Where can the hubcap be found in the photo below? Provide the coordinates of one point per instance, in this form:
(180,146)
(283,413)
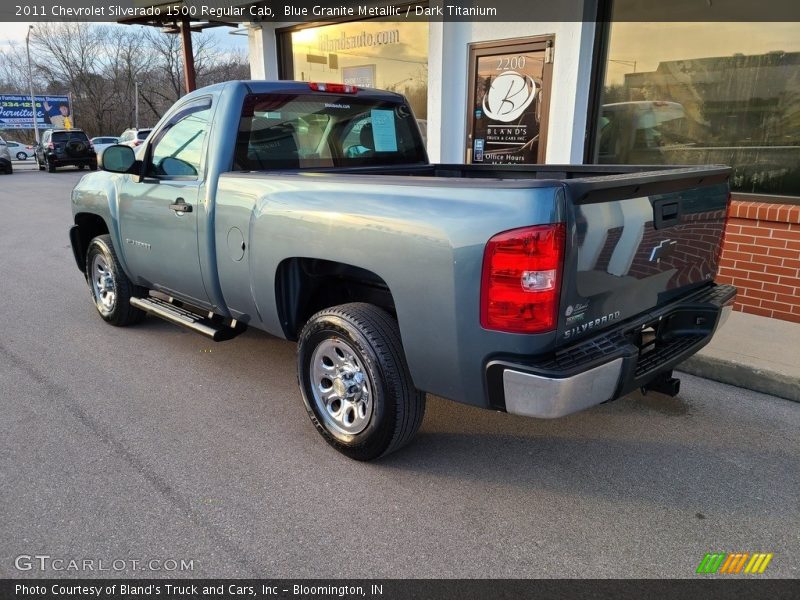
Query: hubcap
(341,387)
(103,286)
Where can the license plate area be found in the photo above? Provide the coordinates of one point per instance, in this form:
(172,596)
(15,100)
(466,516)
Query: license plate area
(663,339)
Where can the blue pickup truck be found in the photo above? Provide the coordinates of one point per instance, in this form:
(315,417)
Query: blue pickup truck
(310,211)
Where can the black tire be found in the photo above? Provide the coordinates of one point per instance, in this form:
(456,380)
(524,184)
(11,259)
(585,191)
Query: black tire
(51,168)
(397,406)
(120,313)
(93,166)
(81,167)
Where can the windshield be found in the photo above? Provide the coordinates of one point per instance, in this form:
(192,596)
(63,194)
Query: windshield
(299,131)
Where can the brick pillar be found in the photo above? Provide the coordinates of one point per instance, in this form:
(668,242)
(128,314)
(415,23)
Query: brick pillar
(761,257)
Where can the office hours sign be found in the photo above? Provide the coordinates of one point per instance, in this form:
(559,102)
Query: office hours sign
(509,101)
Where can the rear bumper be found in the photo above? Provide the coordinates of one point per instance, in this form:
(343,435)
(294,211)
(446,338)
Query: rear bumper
(610,365)
(66,161)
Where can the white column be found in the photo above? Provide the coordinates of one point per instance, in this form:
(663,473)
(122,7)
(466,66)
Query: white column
(263,51)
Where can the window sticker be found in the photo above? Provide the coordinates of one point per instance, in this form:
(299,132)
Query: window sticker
(384,133)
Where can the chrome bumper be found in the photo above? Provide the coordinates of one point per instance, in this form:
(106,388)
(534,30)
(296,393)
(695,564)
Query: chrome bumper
(545,398)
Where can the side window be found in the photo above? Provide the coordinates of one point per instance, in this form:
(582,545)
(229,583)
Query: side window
(177,147)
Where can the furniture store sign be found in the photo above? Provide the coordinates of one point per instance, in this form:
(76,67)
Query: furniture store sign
(51,111)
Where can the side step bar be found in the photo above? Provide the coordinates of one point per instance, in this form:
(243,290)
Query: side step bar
(212,326)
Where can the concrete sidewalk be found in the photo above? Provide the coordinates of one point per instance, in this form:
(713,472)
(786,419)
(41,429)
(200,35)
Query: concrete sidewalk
(756,353)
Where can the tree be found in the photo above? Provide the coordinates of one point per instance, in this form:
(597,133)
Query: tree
(100,65)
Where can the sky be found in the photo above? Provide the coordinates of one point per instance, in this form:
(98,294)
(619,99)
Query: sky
(16,32)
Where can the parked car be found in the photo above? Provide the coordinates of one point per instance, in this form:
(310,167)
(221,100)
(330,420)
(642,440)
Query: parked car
(5,158)
(134,137)
(19,150)
(65,147)
(539,290)
(103,142)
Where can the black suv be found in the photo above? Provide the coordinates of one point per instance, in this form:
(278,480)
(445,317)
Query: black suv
(63,147)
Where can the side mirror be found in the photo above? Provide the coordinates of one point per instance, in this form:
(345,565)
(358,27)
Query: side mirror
(117,159)
(176,167)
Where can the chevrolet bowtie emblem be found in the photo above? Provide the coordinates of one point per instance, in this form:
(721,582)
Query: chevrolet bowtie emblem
(664,249)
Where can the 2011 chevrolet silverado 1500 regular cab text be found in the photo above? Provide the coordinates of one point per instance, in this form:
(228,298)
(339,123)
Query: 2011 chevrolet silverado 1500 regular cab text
(310,211)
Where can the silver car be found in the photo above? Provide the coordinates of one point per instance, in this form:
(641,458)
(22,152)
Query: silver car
(103,142)
(19,150)
(5,158)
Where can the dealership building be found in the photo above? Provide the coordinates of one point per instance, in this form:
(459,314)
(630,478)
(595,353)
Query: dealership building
(592,81)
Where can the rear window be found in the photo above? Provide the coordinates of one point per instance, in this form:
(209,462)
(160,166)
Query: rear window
(143,133)
(301,131)
(66,136)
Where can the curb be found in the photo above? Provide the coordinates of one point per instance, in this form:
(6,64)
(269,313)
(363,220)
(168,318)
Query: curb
(743,376)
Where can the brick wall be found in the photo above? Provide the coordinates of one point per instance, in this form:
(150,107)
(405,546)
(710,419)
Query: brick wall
(761,257)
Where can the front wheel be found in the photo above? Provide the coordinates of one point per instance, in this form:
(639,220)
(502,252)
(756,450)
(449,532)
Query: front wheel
(21,156)
(355,381)
(109,285)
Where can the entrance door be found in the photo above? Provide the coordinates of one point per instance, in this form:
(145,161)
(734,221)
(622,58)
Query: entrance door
(159,228)
(509,98)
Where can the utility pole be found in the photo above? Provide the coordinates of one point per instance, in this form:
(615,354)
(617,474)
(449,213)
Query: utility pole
(188,56)
(30,80)
(136,104)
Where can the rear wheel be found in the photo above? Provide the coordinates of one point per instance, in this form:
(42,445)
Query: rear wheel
(21,156)
(110,287)
(355,381)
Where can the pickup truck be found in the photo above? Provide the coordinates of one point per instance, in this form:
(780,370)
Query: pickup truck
(310,211)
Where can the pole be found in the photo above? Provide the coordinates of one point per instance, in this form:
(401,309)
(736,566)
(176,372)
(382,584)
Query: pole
(30,80)
(188,57)
(71,111)
(136,104)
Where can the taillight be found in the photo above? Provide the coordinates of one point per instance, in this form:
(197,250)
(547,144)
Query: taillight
(137,142)
(336,88)
(521,279)
(51,145)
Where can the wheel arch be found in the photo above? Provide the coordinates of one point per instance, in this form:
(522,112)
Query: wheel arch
(304,286)
(87,227)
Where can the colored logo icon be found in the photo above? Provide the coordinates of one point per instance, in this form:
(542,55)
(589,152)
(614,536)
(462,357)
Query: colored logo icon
(734,563)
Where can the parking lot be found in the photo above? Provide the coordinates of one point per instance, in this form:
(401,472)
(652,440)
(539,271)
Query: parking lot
(153,443)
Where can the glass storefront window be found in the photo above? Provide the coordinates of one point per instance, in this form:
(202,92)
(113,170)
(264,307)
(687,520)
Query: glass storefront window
(378,54)
(704,93)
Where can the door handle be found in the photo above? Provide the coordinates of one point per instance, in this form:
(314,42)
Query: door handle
(180,206)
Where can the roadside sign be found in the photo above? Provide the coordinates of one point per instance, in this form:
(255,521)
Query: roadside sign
(51,111)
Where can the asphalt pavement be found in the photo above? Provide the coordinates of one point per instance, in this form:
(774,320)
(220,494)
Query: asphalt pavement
(153,443)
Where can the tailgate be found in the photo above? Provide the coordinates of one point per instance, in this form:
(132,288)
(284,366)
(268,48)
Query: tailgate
(639,241)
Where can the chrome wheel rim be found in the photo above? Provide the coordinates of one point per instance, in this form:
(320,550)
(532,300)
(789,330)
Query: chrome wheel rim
(341,387)
(103,285)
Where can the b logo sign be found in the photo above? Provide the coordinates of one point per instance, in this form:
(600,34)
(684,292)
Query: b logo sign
(509,95)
